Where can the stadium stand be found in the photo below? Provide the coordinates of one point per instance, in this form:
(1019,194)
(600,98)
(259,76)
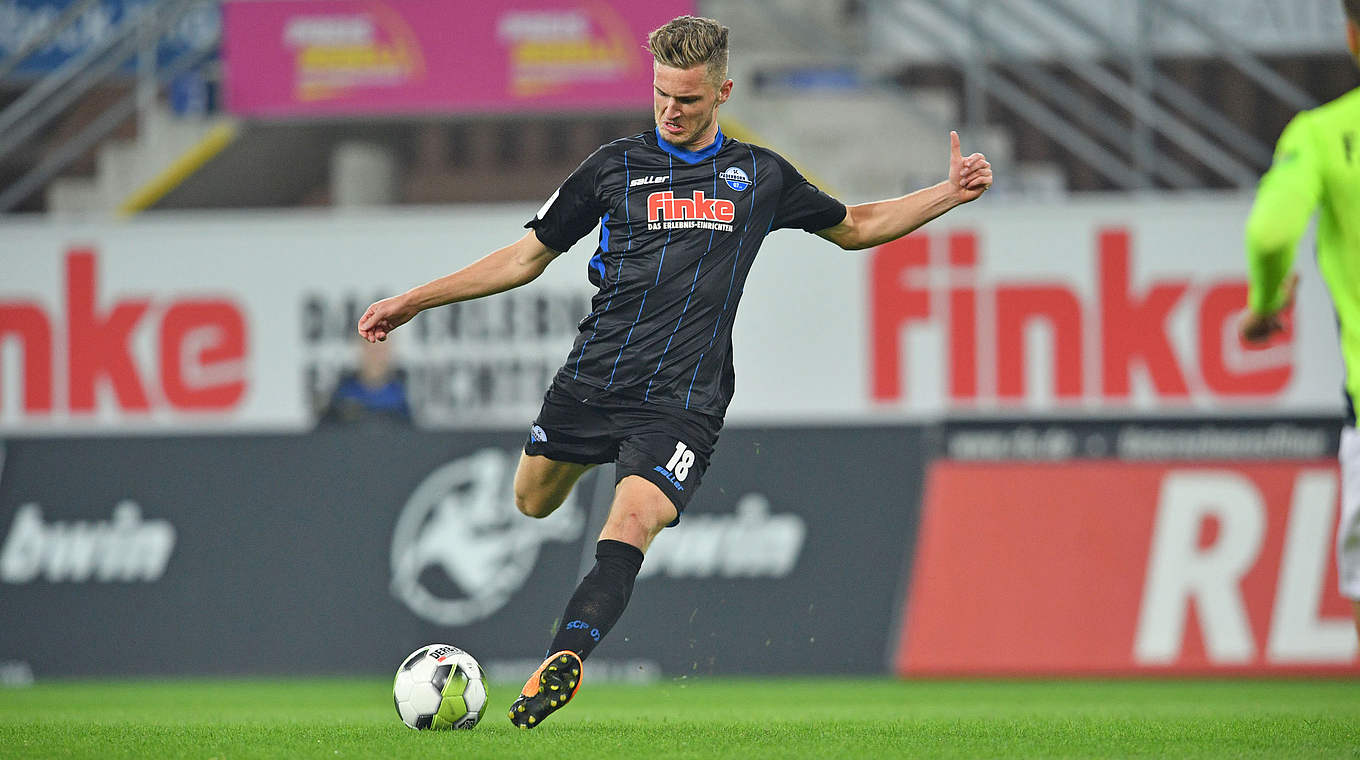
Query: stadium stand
(1050,93)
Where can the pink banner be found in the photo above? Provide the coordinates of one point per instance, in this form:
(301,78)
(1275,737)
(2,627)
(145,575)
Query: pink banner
(352,57)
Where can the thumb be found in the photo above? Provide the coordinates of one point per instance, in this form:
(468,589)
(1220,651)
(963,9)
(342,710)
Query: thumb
(954,151)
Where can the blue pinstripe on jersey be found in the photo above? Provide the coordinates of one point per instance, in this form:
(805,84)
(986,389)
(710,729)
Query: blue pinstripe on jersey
(755,188)
(697,268)
(670,184)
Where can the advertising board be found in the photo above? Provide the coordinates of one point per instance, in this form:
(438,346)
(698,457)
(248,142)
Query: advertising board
(240,322)
(344,549)
(307,58)
(1125,567)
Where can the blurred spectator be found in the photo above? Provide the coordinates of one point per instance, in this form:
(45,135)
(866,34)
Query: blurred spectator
(190,94)
(374,393)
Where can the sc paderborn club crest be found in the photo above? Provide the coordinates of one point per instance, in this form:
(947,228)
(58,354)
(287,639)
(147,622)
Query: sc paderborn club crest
(736,178)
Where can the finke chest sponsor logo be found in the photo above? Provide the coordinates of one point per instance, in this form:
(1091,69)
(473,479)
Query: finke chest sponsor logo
(667,211)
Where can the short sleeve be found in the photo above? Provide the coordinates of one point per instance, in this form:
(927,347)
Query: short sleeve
(573,209)
(802,205)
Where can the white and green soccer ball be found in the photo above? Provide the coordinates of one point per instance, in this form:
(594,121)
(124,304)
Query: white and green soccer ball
(439,687)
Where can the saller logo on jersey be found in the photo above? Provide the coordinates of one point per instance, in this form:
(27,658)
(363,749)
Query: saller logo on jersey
(667,212)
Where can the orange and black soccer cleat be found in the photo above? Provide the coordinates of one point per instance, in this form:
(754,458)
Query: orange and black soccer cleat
(549,688)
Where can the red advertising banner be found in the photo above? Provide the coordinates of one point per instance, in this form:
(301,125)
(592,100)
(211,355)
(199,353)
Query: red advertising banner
(1127,568)
(346,57)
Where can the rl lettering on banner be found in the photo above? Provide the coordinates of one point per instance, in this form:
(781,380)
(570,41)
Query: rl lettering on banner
(1112,567)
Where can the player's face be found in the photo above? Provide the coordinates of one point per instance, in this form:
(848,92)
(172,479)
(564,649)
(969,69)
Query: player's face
(685,103)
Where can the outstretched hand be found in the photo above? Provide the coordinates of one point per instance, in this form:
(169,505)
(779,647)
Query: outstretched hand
(1260,328)
(383,317)
(969,176)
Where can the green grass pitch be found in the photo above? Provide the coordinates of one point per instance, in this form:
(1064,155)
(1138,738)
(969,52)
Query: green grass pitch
(695,718)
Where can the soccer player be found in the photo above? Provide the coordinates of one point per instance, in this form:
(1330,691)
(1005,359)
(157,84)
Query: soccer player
(682,210)
(1317,165)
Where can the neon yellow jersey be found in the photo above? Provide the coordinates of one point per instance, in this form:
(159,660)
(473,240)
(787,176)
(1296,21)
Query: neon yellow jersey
(1316,168)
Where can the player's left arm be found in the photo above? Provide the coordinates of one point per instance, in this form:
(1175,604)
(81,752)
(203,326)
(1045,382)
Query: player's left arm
(869,224)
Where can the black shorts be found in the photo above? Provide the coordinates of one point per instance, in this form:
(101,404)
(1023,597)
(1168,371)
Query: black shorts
(583,424)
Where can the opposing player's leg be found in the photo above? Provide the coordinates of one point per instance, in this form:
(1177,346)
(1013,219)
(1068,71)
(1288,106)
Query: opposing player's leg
(639,511)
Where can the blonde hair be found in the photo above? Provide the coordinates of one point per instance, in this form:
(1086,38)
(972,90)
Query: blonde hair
(689,41)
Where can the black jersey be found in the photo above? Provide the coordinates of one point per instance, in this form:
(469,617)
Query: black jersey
(679,232)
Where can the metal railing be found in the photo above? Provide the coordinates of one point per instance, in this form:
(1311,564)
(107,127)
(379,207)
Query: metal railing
(136,36)
(1115,132)
(1096,89)
(1117,141)
(1040,115)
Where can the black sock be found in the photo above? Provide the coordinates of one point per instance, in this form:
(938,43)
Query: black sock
(600,599)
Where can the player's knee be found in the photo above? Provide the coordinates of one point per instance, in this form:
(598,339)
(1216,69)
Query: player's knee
(536,502)
(637,524)
(531,504)
(650,520)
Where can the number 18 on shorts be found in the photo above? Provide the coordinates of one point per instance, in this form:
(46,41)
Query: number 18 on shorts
(677,469)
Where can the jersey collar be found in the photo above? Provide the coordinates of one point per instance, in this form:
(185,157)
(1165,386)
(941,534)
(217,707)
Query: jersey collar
(691,156)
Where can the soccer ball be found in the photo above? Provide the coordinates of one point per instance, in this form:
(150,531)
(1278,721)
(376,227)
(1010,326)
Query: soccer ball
(441,687)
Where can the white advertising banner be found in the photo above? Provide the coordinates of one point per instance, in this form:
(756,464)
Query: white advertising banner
(241,322)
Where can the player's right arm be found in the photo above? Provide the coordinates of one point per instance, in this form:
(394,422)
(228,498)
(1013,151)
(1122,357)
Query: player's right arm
(501,270)
(1285,201)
